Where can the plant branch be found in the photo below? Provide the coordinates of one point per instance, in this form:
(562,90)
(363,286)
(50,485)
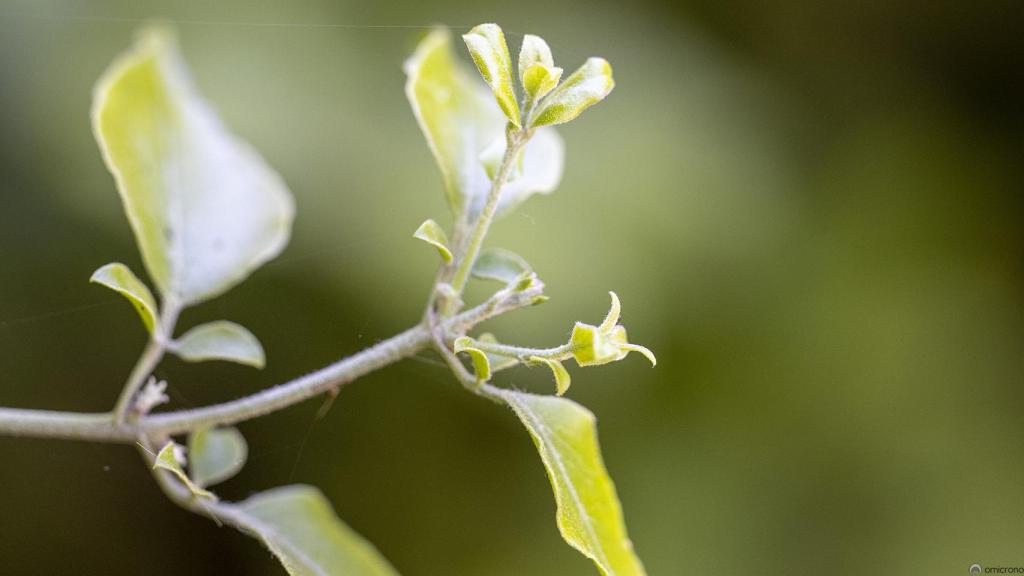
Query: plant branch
(100,427)
(162,333)
(522,353)
(516,140)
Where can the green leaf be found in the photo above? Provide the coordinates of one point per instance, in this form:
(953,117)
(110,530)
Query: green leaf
(216,455)
(122,280)
(299,526)
(220,340)
(432,233)
(456,115)
(540,79)
(205,208)
(584,88)
(481,363)
(562,378)
(167,459)
(486,44)
(589,515)
(533,51)
(464,128)
(499,265)
(537,70)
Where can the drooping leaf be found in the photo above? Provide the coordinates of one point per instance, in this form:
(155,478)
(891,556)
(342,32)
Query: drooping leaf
(562,378)
(585,87)
(487,46)
(299,526)
(499,265)
(205,208)
(589,514)
(122,280)
(220,340)
(215,455)
(460,121)
(167,459)
(481,363)
(526,281)
(432,233)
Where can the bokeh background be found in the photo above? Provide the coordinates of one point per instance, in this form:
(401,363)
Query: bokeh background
(812,212)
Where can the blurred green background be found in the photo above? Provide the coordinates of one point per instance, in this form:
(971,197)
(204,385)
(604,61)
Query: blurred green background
(812,213)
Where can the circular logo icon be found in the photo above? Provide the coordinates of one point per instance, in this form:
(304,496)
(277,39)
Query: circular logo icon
(975,568)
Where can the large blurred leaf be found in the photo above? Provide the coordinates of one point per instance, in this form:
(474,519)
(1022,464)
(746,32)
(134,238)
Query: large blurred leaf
(499,265)
(299,526)
(205,208)
(461,122)
(589,515)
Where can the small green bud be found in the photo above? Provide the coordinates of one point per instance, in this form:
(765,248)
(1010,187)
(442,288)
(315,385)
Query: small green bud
(533,51)
(596,345)
(537,70)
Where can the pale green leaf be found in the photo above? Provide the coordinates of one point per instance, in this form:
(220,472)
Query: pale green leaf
(120,279)
(540,79)
(215,455)
(465,129)
(220,340)
(533,51)
(167,459)
(584,88)
(481,362)
(487,46)
(589,515)
(205,208)
(432,233)
(537,70)
(562,378)
(457,117)
(499,265)
(299,526)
